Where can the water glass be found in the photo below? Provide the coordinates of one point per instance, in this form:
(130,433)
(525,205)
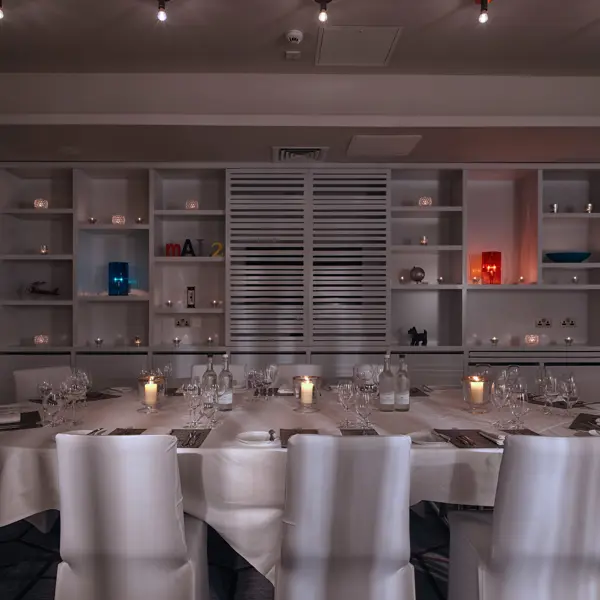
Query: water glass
(208,406)
(54,408)
(345,392)
(499,397)
(192,397)
(364,407)
(44,390)
(518,403)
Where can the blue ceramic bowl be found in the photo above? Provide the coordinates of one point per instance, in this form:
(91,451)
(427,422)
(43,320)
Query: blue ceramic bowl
(568,257)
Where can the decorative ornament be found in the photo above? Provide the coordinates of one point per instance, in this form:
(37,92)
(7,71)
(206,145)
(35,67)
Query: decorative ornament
(491,266)
(425,201)
(532,339)
(191,296)
(554,208)
(118,279)
(37,289)
(92,220)
(417,274)
(217,249)
(188,249)
(43,249)
(417,338)
(118,220)
(41,340)
(589,208)
(191,205)
(40,203)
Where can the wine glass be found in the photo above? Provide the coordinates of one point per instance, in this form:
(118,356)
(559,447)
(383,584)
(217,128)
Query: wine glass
(44,390)
(190,394)
(345,392)
(499,397)
(568,390)
(364,407)
(551,391)
(167,372)
(55,404)
(209,405)
(73,390)
(517,401)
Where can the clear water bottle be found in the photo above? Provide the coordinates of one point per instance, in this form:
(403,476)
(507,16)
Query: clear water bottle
(402,397)
(209,378)
(387,386)
(225,386)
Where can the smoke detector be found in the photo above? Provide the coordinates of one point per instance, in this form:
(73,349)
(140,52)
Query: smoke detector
(294,36)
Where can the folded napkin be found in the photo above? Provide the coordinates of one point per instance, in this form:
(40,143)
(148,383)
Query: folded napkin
(286,434)
(523,431)
(585,422)
(465,438)
(26,420)
(127,431)
(358,432)
(190,438)
(7,418)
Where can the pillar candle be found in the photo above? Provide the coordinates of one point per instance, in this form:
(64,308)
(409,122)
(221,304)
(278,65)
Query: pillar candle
(306,392)
(477,391)
(150,393)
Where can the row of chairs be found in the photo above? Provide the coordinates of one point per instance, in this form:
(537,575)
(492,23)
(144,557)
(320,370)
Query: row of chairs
(345,523)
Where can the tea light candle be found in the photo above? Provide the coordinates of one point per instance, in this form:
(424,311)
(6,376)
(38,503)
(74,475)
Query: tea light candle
(92,220)
(43,249)
(98,342)
(139,220)
(402,279)
(137,341)
(569,341)
(475,280)
(191,204)
(425,201)
(476,389)
(306,391)
(118,220)
(440,280)
(169,303)
(214,303)
(575,279)
(150,393)
(589,208)
(521,279)
(532,339)
(423,241)
(209,341)
(40,340)
(176,342)
(40,203)
(494,341)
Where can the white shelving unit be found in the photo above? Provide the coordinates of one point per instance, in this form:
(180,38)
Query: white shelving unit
(311,270)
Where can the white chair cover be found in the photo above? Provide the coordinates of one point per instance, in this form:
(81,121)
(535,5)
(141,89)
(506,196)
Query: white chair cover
(542,542)
(238,372)
(123,532)
(286,373)
(27,380)
(346,520)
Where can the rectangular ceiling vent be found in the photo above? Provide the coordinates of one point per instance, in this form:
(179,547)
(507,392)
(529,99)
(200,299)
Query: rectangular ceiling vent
(295,155)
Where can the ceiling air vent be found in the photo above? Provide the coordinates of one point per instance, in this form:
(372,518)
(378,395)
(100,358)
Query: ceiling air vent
(283,154)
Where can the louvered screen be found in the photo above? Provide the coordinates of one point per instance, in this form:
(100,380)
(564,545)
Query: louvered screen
(266,258)
(349,248)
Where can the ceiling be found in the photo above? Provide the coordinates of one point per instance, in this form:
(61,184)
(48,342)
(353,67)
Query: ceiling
(438,36)
(254,144)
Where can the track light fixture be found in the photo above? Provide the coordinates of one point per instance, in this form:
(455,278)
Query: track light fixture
(483,15)
(323,10)
(1,11)
(161,15)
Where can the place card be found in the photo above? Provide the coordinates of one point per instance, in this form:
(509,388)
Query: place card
(126,431)
(358,432)
(190,438)
(286,434)
(465,438)
(585,422)
(29,420)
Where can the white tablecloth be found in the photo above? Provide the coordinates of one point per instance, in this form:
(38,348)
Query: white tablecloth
(239,490)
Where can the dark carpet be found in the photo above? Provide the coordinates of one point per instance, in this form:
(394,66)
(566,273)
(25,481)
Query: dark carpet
(28,561)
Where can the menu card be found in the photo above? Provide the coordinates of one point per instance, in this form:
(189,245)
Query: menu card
(286,434)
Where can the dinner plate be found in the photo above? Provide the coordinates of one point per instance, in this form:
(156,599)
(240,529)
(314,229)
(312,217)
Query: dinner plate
(256,438)
(427,439)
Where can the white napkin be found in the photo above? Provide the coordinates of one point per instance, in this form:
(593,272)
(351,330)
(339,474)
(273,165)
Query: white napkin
(8,418)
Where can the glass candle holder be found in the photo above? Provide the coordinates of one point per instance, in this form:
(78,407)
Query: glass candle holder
(41,340)
(40,203)
(532,339)
(92,220)
(425,201)
(476,393)
(191,204)
(150,397)
(44,249)
(146,377)
(307,391)
(118,220)
(491,267)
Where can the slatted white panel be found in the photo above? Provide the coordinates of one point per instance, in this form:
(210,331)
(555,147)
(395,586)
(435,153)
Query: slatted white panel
(267,258)
(349,301)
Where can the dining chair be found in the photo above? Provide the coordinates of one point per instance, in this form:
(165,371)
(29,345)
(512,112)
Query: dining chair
(542,540)
(286,373)
(27,380)
(123,532)
(346,520)
(238,372)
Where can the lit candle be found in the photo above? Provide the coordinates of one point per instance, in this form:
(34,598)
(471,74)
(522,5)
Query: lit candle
(476,386)
(150,393)
(306,392)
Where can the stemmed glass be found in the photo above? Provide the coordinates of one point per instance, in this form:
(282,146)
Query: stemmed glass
(167,372)
(55,403)
(345,392)
(190,393)
(45,389)
(499,397)
(517,401)
(73,390)
(209,405)
(551,391)
(364,407)
(568,390)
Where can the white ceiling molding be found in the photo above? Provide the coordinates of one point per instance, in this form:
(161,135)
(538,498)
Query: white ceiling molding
(299,100)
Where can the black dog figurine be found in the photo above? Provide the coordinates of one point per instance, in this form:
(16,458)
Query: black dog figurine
(417,337)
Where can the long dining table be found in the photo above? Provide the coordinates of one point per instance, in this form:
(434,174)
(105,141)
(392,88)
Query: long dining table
(239,490)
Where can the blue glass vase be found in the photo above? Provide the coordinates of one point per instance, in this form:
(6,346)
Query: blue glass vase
(118,279)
